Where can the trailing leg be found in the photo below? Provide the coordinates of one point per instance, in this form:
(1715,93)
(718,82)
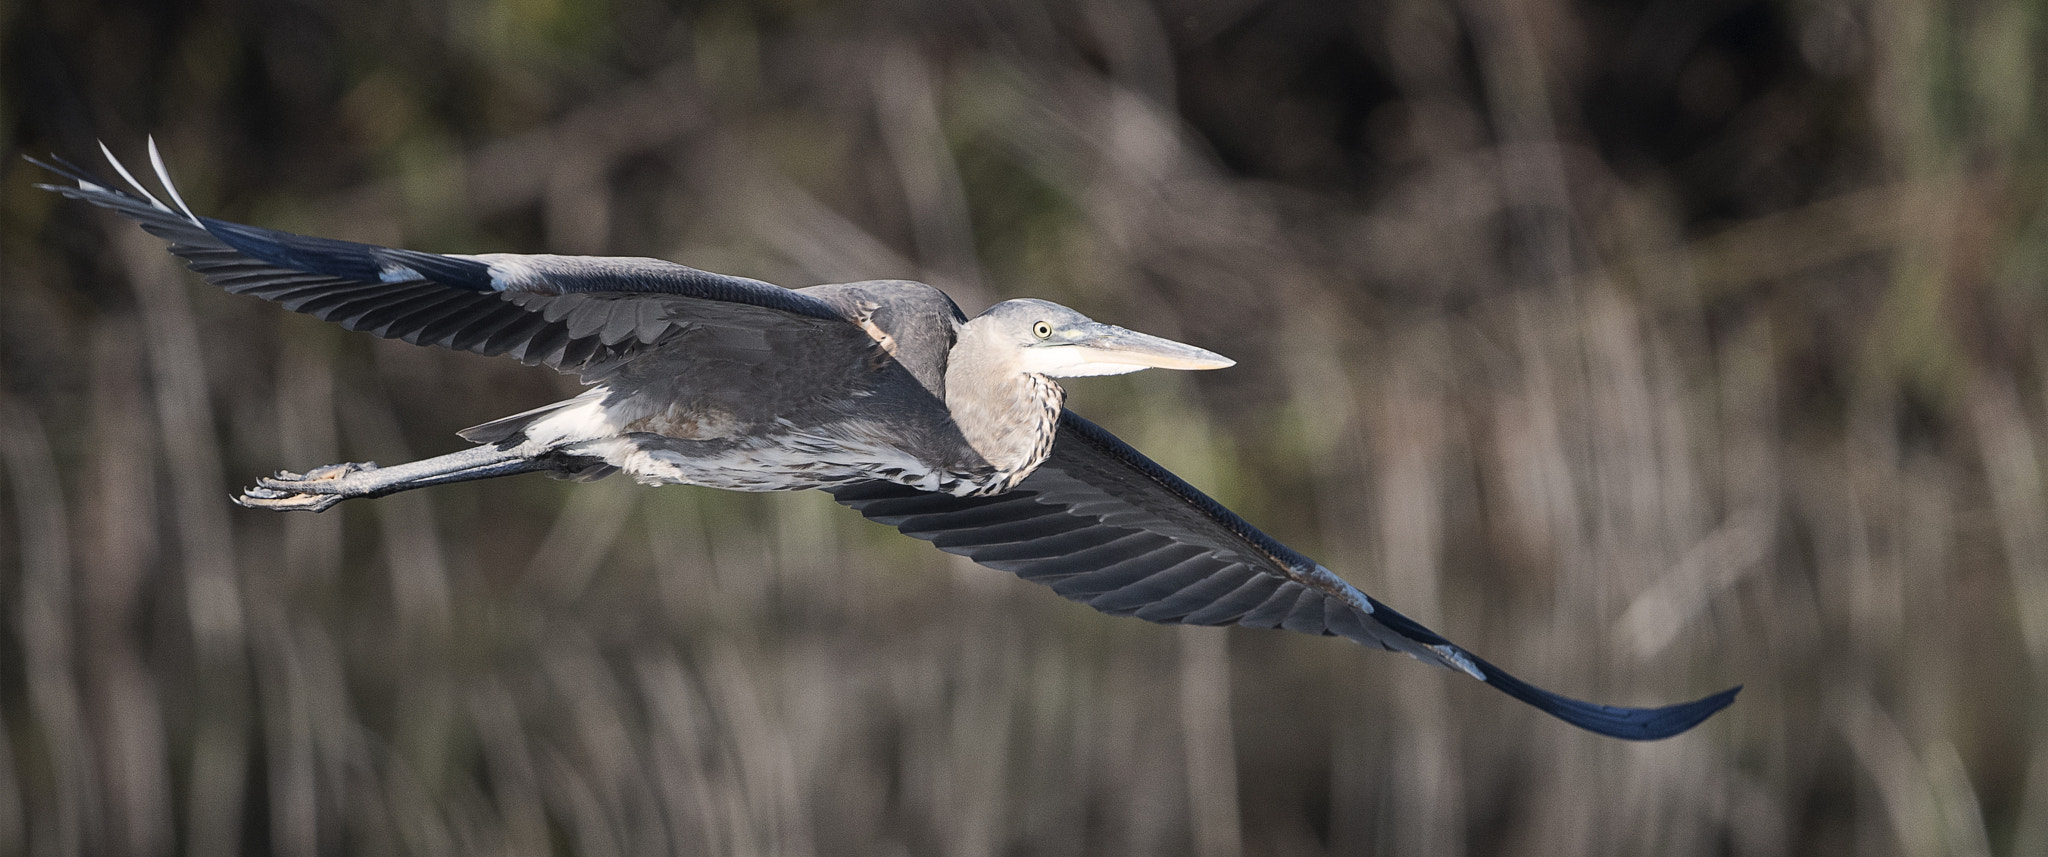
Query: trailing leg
(318,489)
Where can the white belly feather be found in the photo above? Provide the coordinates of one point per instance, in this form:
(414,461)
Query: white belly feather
(638,439)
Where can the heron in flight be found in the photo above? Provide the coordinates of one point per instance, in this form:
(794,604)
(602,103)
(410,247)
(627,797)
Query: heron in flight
(881,393)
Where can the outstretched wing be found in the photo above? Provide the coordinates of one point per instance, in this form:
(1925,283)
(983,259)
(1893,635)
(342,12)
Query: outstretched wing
(1103,525)
(583,314)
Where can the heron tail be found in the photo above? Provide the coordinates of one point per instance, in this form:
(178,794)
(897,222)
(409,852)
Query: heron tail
(506,432)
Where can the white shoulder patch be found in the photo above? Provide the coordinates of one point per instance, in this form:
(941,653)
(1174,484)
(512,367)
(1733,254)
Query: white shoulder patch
(398,274)
(509,271)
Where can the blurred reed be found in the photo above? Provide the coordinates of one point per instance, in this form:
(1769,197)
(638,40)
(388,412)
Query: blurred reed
(1766,410)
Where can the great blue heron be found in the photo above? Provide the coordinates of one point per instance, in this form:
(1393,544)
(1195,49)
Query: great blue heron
(881,393)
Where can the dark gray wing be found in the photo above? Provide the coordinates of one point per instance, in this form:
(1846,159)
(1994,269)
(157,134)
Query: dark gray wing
(1103,525)
(575,313)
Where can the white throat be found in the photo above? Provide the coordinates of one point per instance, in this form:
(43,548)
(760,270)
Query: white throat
(1007,412)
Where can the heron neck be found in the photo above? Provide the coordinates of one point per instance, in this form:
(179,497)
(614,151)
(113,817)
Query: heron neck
(1008,416)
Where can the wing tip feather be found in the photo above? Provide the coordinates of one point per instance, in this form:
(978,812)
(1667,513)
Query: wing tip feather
(163,174)
(1613,721)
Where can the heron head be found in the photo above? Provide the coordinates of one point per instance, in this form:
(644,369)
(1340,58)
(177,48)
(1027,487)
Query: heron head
(1058,342)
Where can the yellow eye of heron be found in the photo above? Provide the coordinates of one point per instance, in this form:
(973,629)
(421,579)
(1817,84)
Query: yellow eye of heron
(1041,330)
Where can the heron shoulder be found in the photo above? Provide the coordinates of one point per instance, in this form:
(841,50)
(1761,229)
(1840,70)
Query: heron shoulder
(914,322)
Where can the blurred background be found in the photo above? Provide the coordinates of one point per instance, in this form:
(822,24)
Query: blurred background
(1644,348)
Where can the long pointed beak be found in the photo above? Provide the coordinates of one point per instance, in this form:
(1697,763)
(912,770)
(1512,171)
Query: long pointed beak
(1107,343)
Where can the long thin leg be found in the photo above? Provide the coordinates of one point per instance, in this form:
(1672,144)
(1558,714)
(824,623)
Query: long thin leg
(320,488)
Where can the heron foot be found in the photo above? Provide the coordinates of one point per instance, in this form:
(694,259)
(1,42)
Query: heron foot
(315,490)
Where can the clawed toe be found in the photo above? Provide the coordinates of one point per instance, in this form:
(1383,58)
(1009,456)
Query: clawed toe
(286,501)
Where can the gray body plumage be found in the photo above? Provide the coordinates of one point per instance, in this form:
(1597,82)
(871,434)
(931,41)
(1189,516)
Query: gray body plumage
(948,428)
(761,403)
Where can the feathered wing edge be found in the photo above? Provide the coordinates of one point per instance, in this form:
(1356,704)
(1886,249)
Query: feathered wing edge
(284,251)
(1103,525)
(580,314)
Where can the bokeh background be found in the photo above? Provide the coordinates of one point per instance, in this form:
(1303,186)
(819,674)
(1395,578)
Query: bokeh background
(1646,348)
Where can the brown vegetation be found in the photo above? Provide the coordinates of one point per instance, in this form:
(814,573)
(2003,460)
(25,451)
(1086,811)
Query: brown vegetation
(1643,351)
